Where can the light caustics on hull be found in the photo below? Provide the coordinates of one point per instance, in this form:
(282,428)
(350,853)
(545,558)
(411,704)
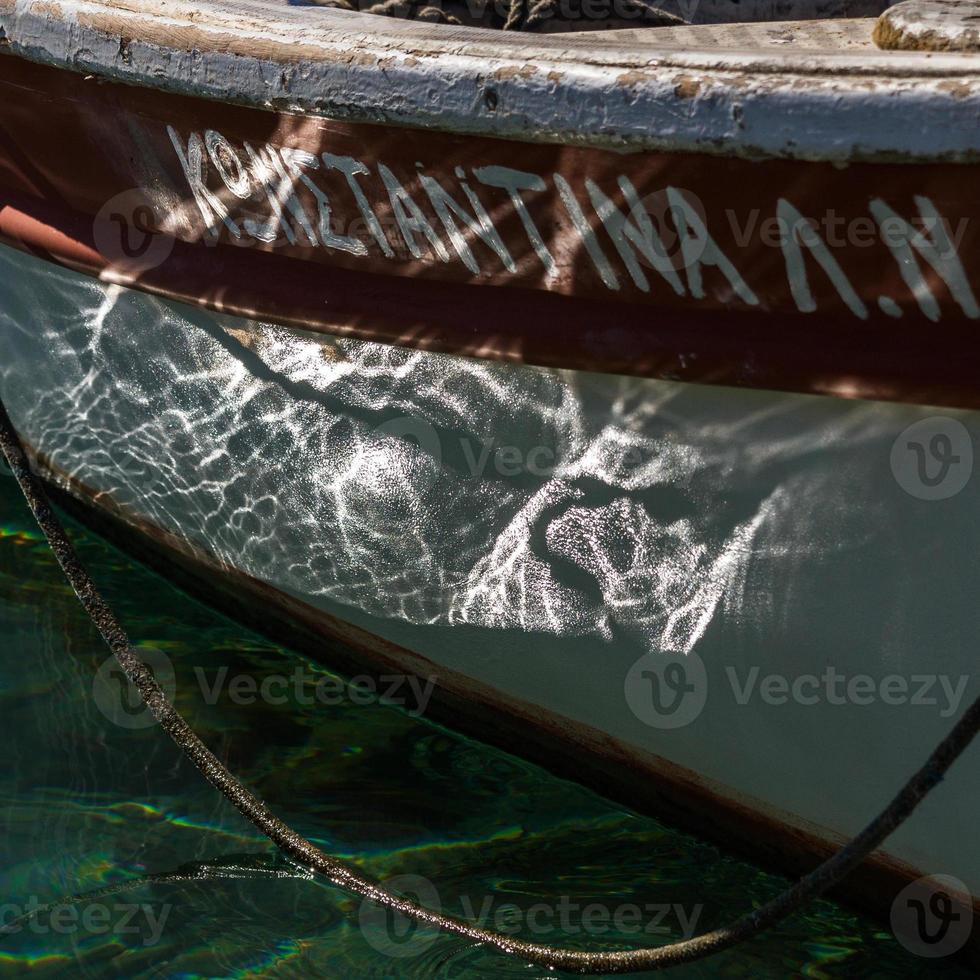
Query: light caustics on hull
(539,531)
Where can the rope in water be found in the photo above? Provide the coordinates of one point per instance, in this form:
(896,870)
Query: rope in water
(346,876)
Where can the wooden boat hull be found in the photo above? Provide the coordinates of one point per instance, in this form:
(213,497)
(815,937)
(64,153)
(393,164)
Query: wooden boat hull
(520,395)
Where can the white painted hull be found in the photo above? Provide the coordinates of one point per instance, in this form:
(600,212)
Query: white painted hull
(763,533)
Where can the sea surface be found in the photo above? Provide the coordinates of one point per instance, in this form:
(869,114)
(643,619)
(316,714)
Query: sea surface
(118,860)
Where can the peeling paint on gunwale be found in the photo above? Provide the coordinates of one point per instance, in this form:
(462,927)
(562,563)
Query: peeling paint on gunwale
(845,106)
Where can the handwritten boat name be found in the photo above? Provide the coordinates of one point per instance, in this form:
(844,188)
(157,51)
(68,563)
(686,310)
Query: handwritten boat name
(659,240)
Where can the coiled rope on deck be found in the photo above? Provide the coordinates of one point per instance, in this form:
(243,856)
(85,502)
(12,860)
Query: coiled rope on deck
(347,877)
(525,15)
(521,15)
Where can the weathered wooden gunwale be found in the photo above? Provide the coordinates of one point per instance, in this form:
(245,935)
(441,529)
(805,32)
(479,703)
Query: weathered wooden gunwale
(593,90)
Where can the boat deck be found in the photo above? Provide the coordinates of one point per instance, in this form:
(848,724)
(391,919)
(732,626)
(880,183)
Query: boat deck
(835,34)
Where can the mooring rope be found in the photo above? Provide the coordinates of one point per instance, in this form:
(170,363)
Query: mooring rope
(348,877)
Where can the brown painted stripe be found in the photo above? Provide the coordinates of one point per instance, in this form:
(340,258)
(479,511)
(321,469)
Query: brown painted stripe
(528,326)
(102,139)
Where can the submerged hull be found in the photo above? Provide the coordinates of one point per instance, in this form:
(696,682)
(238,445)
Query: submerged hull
(530,538)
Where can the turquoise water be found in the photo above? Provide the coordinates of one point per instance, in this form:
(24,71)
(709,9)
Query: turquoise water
(88,805)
